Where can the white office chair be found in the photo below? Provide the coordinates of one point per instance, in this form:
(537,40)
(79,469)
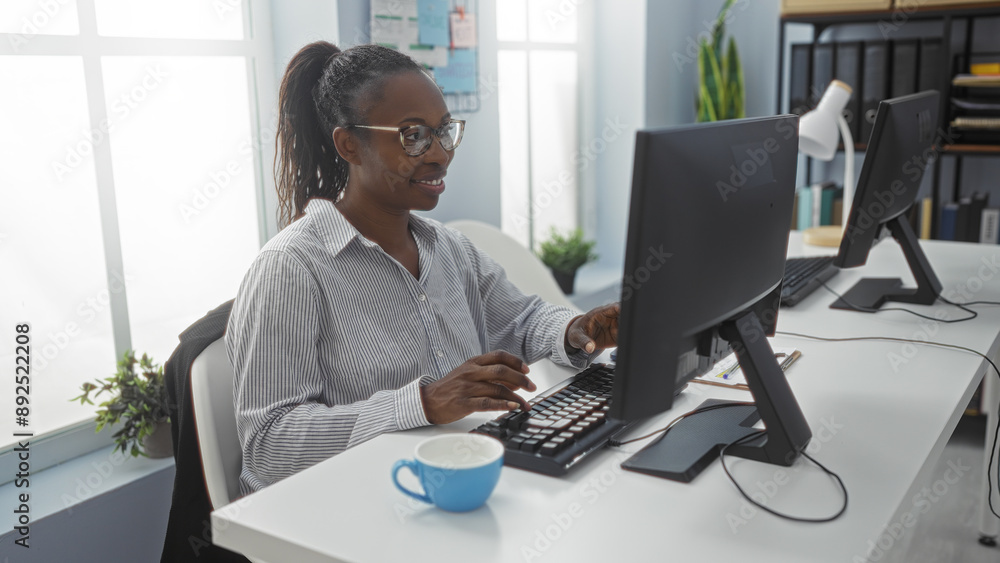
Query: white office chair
(524,269)
(215,423)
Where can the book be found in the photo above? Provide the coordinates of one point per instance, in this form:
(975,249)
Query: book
(977,204)
(972,80)
(946,230)
(989,228)
(926,209)
(805,209)
(962,219)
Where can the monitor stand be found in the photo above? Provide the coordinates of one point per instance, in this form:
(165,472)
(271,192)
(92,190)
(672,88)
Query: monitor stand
(695,441)
(871,293)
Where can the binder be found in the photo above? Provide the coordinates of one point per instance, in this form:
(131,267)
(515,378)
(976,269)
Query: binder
(800,75)
(847,65)
(822,70)
(931,62)
(946,230)
(904,67)
(989,232)
(962,219)
(976,206)
(874,86)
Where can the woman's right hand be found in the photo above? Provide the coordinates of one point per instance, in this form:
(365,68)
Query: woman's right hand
(483,383)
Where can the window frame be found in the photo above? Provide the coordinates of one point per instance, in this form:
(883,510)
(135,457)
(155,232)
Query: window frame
(257,49)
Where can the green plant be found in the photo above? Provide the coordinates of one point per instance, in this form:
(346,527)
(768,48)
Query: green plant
(566,253)
(139,401)
(720,75)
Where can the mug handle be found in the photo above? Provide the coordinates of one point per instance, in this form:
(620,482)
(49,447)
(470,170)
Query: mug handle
(413,468)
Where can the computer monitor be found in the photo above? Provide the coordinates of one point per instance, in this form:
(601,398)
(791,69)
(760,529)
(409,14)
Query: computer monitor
(898,150)
(704,260)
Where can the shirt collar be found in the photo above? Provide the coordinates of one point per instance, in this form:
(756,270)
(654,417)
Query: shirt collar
(337,232)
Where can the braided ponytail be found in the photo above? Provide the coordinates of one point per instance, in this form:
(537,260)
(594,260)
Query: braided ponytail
(319,92)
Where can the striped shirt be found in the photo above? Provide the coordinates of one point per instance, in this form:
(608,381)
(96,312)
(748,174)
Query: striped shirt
(331,338)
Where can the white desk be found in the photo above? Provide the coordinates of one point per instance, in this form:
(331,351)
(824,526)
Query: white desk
(881,429)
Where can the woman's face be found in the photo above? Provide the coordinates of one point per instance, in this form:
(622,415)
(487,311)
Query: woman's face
(388,176)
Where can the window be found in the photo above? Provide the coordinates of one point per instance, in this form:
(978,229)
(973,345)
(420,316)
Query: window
(539,61)
(130,161)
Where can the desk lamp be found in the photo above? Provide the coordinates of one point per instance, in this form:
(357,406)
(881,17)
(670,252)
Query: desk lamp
(818,139)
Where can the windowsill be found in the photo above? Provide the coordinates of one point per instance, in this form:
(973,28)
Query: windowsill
(82,478)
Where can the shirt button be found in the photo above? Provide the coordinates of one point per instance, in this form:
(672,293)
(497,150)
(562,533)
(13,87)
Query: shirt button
(440,353)
(422,297)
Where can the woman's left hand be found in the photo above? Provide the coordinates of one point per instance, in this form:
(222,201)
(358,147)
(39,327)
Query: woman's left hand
(595,330)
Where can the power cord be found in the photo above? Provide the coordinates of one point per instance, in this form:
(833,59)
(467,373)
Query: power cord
(961,306)
(747,438)
(722,458)
(996,431)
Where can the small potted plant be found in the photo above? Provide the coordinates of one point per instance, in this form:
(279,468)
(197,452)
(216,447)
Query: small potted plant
(139,401)
(565,254)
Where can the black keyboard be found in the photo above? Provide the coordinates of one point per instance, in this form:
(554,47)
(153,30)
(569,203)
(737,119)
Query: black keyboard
(565,423)
(803,276)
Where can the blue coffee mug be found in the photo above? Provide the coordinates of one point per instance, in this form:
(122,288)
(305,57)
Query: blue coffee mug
(458,472)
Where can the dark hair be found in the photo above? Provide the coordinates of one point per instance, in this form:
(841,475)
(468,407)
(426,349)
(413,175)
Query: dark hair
(320,91)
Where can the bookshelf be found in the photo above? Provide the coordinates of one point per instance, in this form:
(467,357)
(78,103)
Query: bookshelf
(957,38)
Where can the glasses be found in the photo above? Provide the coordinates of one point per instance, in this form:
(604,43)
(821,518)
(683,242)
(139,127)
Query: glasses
(416,139)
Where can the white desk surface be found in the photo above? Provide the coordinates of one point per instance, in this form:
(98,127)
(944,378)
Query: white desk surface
(880,428)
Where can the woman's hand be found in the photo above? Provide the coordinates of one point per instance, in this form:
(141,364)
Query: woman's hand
(597,329)
(483,383)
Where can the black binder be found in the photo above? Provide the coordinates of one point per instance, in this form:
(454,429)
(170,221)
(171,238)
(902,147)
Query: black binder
(931,62)
(800,75)
(977,203)
(848,70)
(822,70)
(875,86)
(904,67)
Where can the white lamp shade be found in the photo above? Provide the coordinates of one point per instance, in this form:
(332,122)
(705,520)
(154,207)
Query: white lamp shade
(818,129)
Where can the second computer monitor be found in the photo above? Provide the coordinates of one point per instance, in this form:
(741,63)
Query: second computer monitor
(898,150)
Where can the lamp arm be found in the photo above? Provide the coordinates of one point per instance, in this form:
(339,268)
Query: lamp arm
(845,134)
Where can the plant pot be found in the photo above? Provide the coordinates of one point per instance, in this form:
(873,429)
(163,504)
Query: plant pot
(565,280)
(160,443)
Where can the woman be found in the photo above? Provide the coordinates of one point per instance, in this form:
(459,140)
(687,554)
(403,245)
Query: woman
(359,317)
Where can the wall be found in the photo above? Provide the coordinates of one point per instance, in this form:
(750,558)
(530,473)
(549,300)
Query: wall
(647,69)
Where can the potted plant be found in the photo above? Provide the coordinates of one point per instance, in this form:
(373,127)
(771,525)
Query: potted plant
(565,254)
(720,75)
(139,401)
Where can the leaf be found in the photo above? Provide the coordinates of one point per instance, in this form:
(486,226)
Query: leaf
(705,112)
(734,81)
(719,28)
(713,91)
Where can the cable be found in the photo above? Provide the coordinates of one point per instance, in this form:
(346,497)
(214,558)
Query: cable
(870,310)
(970,302)
(748,437)
(996,431)
(722,453)
(665,429)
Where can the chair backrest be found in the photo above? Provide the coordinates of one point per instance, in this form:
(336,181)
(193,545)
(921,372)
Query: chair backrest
(523,268)
(215,420)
